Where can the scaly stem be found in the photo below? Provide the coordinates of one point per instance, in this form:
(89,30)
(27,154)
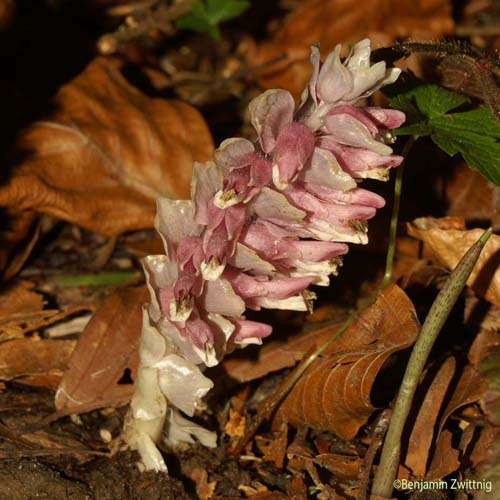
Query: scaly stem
(387,469)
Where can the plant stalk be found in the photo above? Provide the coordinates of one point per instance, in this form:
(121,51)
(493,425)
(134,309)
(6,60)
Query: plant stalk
(439,312)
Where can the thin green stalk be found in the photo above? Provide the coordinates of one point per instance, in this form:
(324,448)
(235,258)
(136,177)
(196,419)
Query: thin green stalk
(275,399)
(383,484)
(398,183)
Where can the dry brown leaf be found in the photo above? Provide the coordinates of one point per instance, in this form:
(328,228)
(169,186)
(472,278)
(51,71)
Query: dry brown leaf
(106,153)
(445,459)
(275,355)
(204,489)
(106,349)
(330,22)
(34,356)
(342,466)
(468,389)
(17,239)
(472,196)
(421,435)
(21,310)
(334,393)
(235,426)
(274,448)
(449,245)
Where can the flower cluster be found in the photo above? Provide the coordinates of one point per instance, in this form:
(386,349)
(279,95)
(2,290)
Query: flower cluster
(267,219)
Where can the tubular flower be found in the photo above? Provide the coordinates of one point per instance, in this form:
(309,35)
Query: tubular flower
(265,221)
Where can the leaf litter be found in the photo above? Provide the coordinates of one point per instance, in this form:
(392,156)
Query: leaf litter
(99,160)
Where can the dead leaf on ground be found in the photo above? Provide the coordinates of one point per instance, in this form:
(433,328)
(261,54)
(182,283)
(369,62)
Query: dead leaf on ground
(421,437)
(449,245)
(204,489)
(19,234)
(330,22)
(106,153)
(33,357)
(334,393)
(472,196)
(274,447)
(22,310)
(106,351)
(445,459)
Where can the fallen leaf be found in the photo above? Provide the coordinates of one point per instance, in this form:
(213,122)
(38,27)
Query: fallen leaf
(21,310)
(106,351)
(273,448)
(204,489)
(468,389)
(449,245)
(472,196)
(20,233)
(296,489)
(34,356)
(342,466)
(445,459)
(235,426)
(106,153)
(334,393)
(421,437)
(330,22)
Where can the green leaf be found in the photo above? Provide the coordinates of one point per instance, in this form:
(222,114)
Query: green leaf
(205,16)
(474,134)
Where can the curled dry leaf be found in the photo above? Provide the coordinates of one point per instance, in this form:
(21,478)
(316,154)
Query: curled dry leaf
(450,244)
(106,153)
(106,351)
(334,393)
(330,22)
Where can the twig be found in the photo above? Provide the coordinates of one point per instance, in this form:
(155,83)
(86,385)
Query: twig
(376,442)
(387,470)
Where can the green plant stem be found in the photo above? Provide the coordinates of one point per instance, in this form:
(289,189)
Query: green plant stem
(398,183)
(268,407)
(387,469)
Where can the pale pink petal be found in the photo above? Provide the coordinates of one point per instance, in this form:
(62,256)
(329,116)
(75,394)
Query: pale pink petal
(318,251)
(387,118)
(294,145)
(249,332)
(260,172)
(356,196)
(268,245)
(269,113)
(334,80)
(219,297)
(274,207)
(347,130)
(206,181)
(234,153)
(324,169)
(174,221)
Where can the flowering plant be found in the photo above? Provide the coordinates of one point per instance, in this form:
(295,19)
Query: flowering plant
(266,220)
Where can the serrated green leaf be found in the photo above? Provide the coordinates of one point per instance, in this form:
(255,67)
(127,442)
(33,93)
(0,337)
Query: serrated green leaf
(205,16)
(474,134)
